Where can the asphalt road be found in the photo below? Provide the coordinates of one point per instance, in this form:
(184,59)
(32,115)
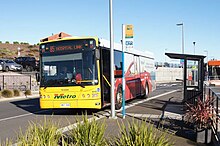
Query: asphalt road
(16,115)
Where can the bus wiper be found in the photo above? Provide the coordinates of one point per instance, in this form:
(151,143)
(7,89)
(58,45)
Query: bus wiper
(80,85)
(45,87)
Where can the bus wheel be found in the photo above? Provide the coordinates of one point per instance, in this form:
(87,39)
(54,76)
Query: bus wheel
(118,102)
(146,94)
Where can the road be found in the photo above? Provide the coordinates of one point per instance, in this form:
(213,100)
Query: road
(16,115)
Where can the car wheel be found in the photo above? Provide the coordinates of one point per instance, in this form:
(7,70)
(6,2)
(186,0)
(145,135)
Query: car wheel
(29,68)
(6,68)
(118,103)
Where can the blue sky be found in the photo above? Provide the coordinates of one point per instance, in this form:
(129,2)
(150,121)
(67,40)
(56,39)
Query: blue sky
(154,22)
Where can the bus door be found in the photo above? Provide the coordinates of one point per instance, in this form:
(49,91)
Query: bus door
(130,75)
(137,75)
(105,75)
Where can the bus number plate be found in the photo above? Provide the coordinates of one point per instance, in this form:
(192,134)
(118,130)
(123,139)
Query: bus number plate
(64,105)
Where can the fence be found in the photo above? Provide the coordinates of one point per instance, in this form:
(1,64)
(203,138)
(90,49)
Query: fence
(214,92)
(21,82)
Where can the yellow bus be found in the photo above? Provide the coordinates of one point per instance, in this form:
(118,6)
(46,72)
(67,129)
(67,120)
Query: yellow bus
(75,73)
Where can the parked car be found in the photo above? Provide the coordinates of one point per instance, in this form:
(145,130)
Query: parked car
(9,65)
(28,63)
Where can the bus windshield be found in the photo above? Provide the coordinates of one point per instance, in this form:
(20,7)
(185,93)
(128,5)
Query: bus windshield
(73,68)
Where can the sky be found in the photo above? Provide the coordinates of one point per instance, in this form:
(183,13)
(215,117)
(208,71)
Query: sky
(154,22)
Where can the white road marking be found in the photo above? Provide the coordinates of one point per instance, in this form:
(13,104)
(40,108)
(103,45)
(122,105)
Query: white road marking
(19,116)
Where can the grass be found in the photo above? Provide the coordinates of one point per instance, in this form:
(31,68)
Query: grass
(88,133)
(140,134)
(6,143)
(40,135)
(91,133)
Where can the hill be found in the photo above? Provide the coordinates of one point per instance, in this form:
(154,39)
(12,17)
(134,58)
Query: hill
(10,51)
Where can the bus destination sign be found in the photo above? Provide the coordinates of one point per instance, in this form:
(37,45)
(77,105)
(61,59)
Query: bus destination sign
(67,46)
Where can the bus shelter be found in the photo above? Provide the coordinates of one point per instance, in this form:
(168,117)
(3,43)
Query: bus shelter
(193,75)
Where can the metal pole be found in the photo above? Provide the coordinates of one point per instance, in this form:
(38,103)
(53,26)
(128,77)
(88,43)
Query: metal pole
(30,82)
(181,24)
(194,47)
(3,81)
(182,40)
(123,75)
(194,75)
(184,83)
(112,62)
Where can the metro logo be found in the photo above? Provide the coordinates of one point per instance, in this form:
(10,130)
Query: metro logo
(62,96)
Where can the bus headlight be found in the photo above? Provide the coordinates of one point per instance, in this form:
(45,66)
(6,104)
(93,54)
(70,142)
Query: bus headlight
(95,95)
(83,95)
(48,96)
(88,95)
(44,96)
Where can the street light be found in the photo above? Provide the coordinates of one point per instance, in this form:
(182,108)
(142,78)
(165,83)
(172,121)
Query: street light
(165,55)
(206,55)
(112,62)
(181,24)
(207,68)
(194,44)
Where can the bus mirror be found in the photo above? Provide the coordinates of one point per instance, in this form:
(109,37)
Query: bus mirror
(37,77)
(97,54)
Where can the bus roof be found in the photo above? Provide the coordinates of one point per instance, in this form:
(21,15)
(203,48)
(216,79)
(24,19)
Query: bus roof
(214,63)
(70,38)
(118,46)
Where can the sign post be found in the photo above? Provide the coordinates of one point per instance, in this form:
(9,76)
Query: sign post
(129,40)
(127,44)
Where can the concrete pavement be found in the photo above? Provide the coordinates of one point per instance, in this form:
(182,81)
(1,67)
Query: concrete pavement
(164,112)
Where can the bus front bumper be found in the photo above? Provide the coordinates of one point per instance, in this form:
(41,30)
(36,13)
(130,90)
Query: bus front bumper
(88,103)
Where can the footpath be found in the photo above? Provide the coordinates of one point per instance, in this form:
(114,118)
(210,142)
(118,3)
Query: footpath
(164,112)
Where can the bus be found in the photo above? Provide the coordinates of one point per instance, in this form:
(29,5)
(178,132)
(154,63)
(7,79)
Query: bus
(87,80)
(214,72)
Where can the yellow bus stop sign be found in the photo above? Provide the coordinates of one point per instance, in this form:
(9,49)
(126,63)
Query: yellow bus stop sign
(129,31)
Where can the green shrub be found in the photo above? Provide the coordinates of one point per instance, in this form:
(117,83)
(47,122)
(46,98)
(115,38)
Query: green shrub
(30,46)
(0,42)
(40,135)
(16,92)
(7,93)
(27,92)
(88,133)
(141,134)
(35,50)
(7,42)
(15,42)
(30,54)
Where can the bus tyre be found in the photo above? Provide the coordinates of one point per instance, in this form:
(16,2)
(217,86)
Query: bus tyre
(118,102)
(146,93)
